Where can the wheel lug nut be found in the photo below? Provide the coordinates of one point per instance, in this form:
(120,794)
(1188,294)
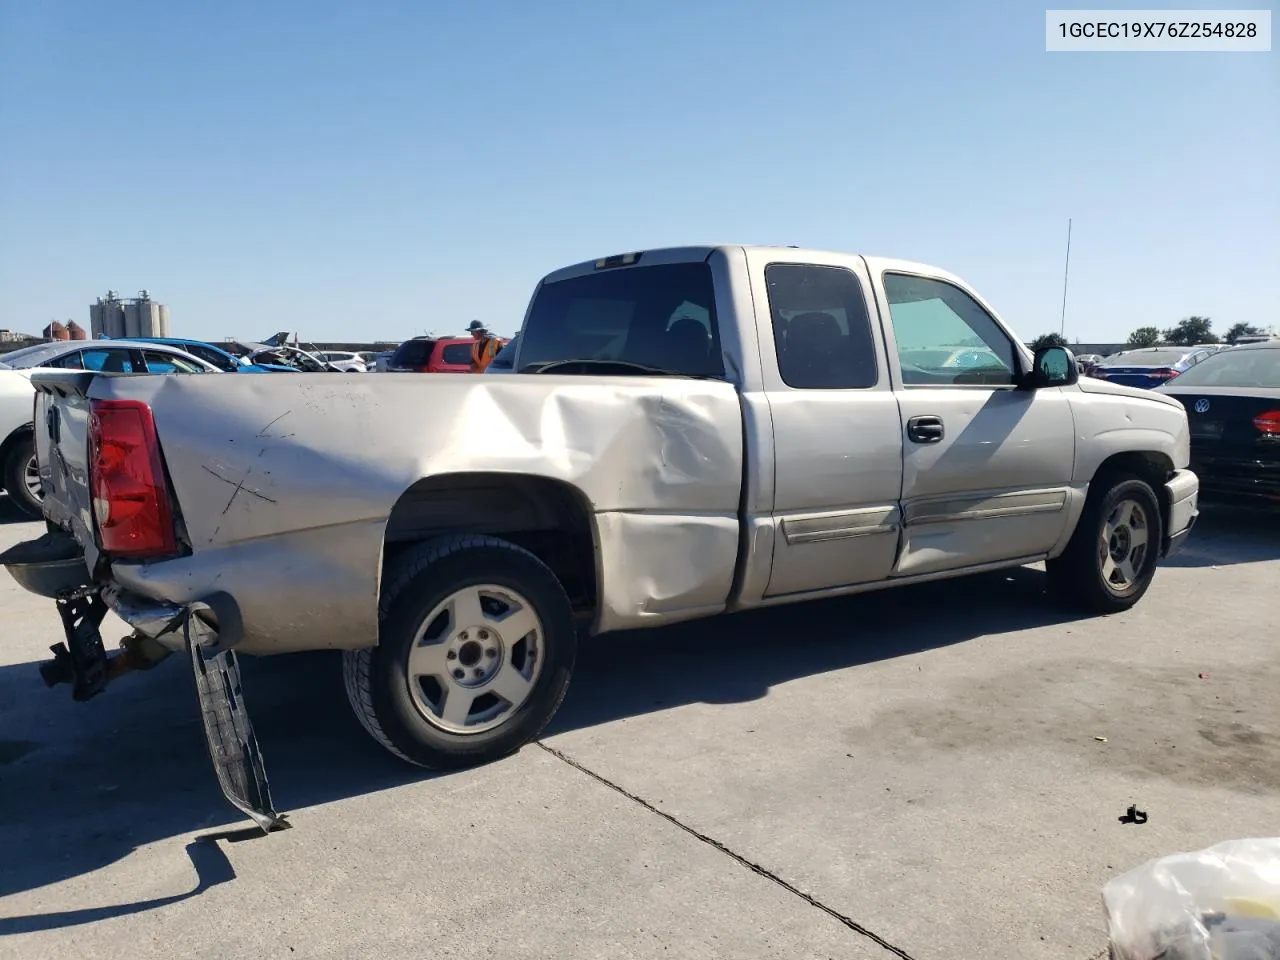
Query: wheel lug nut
(451,655)
(479,672)
(460,674)
(491,652)
(462,635)
(484,634)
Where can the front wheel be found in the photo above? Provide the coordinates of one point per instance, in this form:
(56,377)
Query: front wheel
(1111,558)
(22,478)
(476,647)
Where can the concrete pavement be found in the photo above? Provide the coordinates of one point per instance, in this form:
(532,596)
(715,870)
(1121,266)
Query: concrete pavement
(916,773)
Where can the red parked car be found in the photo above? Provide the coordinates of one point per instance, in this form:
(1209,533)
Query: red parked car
(432,355)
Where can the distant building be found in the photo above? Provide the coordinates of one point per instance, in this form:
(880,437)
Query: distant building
(12,336)
(75,331)
(55,331)
(112,317)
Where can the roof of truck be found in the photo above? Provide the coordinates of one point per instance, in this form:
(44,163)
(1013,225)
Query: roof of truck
(696,252)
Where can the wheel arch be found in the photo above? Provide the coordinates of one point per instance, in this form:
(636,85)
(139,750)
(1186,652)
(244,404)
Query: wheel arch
(1153,466)
(550,518)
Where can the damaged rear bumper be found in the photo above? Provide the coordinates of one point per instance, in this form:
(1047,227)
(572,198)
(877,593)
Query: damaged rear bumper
(207,630)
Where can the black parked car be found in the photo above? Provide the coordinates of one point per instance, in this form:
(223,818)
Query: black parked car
(1233,408)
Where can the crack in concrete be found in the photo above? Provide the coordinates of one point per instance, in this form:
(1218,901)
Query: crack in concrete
(741,860)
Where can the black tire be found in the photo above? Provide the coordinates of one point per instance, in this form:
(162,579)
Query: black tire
(15,484)
(1077,575)
(377,679)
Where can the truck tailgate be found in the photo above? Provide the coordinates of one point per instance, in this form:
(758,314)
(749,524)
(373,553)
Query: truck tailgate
(62,450)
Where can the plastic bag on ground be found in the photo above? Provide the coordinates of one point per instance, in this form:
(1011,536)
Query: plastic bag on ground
(1222,903)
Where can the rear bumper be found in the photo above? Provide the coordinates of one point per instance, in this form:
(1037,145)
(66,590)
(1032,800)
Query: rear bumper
(1223,478)
(1182,494)
(53,566)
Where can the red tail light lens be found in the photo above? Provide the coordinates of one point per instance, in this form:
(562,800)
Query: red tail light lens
(1164,374)
(1268,423)
(126,475)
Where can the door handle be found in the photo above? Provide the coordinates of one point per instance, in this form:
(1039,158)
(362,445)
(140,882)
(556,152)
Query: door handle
(925,429)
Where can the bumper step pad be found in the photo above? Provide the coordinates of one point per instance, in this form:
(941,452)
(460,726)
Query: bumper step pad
(237,759)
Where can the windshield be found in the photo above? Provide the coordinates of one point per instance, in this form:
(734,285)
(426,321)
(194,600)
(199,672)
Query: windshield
(1236,368)
(1146,358)
(660,317)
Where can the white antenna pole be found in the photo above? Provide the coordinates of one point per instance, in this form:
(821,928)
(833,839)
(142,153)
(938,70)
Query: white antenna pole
(1062,330)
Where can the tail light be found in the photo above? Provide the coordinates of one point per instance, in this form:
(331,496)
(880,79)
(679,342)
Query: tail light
(126,476)
(1164,373)
(1268,423)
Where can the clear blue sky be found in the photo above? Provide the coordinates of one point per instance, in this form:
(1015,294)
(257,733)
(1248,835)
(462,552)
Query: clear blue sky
(361,171)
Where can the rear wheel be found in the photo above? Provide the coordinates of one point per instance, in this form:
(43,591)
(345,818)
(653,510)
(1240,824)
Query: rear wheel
(22,478)
(1111,558)
(476,647)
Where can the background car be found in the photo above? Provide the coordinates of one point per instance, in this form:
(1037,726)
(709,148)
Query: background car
(1149,366)
(343,360)
(19,474)
(1233,410)
(109,356)
(432,355)
(225,361)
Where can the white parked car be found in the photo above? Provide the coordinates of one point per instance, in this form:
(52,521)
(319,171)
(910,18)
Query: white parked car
(19,476)
(344,361)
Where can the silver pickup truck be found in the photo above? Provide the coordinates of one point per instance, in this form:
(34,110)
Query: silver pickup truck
(686,432)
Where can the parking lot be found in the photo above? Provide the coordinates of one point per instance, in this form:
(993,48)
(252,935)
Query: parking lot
(935,772)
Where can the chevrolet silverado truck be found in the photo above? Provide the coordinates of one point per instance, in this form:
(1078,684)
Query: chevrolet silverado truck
(686,432)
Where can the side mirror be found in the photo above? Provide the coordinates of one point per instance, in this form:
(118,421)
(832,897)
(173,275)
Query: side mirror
(1052,367)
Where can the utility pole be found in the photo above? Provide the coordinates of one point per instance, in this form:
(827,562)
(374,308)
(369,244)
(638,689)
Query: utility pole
(1062,329)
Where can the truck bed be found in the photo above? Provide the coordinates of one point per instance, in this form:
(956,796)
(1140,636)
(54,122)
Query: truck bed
(284,485)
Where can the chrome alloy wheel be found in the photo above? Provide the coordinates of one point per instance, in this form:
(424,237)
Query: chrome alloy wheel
(1123,544)
(475,659)
(31,479)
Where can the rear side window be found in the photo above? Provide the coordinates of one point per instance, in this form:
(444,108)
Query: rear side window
(158,362)
(661,316)
(821,328)
(412,353)
(456,353)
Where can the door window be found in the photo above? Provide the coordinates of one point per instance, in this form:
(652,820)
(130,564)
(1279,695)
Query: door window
(945,338)
(68,361)
(158,362)
(821,329)
(456,354)
(109,361)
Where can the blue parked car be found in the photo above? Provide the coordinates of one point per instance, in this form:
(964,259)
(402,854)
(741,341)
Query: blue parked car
(1149,367)
(224,361)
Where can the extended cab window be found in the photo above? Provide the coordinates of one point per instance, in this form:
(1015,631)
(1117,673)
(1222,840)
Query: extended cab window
(944,336)
(661,317)
(821,328)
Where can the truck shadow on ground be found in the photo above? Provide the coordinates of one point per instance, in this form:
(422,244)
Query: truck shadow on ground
(10,513)
(1226,535)
(85,785)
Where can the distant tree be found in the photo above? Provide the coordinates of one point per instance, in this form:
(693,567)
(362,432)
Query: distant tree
(1242,330)
(1048,340)
(1144,337)
(1191,331)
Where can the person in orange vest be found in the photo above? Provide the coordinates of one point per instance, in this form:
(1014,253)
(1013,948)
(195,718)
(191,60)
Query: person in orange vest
(484,346)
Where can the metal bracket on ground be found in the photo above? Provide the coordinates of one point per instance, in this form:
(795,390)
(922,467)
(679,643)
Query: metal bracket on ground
(237,759)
